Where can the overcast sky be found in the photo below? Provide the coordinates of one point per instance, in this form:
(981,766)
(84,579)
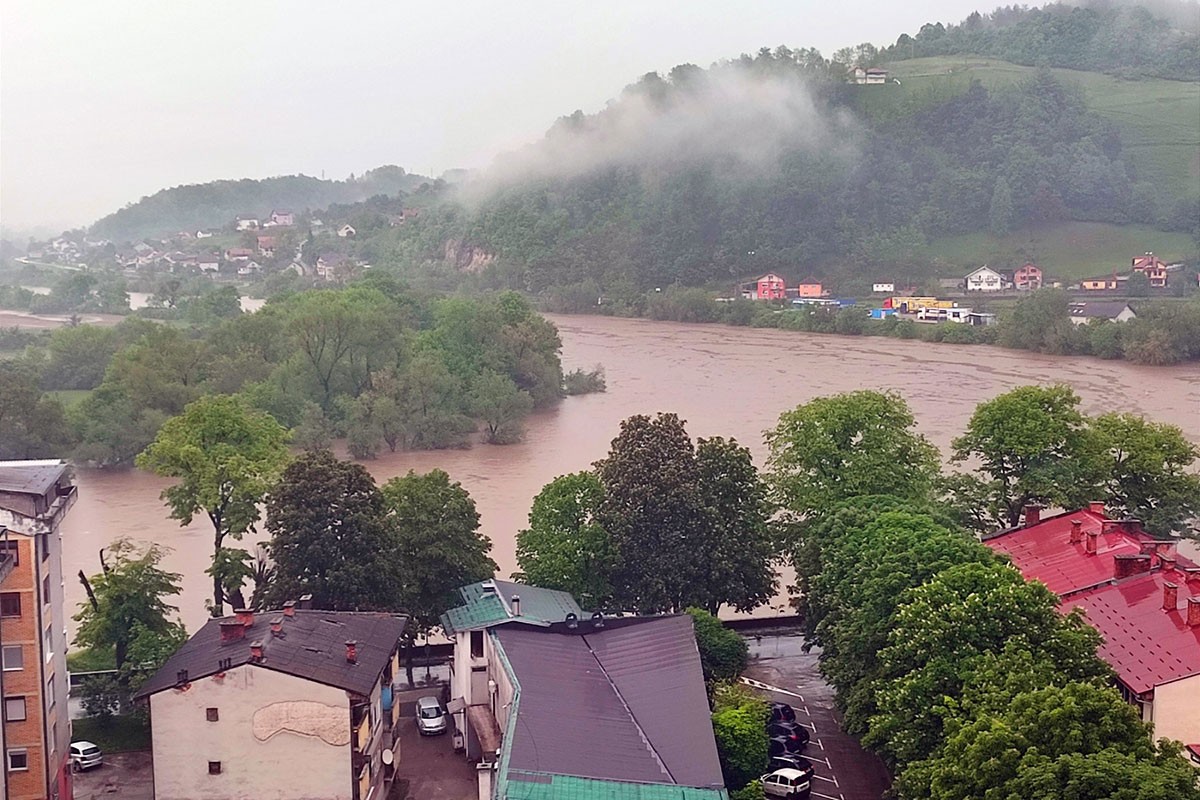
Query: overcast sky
(104,101)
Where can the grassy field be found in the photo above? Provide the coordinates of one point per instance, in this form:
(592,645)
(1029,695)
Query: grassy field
(1069,250)
(1159,120)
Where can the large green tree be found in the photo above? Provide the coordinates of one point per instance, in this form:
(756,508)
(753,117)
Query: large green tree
(227,456)
(1032,445)
(330,537)
(857,443)
(32,425)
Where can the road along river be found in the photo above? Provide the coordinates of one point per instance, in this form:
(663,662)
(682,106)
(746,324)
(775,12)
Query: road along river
(724,381)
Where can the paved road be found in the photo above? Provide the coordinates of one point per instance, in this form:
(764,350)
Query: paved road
(844,771)
(127,776)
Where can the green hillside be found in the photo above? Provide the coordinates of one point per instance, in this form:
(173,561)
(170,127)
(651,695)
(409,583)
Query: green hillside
(1158,120)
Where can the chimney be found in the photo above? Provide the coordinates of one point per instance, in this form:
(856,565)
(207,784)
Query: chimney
(1033,514)
(1142,564)
(1109,526)
(232,630)
(352,651)
(1090,544)
(1170,596)
(1126,564)
(244,616)
(277,626)
(256,651)
(1191,574)
(1193,618)
(289,608)
(1076,531)
(1096,507)
(181,677)
(305,602)
(1167,560)
(516,605)
(1164,549)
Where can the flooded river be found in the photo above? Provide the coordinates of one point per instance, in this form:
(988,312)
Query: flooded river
(723,381)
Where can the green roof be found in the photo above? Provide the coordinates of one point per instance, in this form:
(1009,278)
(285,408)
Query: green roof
(544,786)
(491,602)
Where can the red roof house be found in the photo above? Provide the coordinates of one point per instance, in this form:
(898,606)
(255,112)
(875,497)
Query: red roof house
(1153,267)
(1136,590)
(1027,278)
(770,287)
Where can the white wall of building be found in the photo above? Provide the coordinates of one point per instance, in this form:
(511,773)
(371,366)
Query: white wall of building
(1176,710)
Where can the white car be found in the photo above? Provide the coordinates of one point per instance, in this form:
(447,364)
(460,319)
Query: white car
(431,717)
(791,783)
(85,755)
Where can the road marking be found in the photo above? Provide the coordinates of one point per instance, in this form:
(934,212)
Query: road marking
(828,796)
(823,778)
(805,710)
(766,687)
(808,725)
(824,761)
(817,742)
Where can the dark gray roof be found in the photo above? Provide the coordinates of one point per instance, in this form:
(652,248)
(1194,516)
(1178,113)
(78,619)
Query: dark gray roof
(1106,309)
(313,646)
(30,477)
(625,702)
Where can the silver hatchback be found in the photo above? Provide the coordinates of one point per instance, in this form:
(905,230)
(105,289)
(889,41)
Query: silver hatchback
(431,717)
(85,755)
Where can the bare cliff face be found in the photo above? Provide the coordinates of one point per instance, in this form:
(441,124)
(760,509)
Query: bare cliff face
(467,257)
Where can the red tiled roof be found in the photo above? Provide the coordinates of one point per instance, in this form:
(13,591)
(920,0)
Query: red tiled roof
(1044,551)
(1145,645)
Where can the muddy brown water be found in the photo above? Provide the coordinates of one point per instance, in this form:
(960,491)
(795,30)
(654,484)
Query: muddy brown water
(722,380)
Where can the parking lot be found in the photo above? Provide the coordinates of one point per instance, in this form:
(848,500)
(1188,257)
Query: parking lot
(429,769)
(127,776)
(781,669)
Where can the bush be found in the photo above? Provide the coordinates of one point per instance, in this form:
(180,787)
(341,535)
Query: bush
(740,728)
(723,653)
(751,791)
(580,382)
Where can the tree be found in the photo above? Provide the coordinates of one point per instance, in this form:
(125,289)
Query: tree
(32,425)
(329,537)
(437,545)
(740,729)
(564,546)
(723,653)
(228,456)
(1145,472)
(1138,285)
(857,443)
(127,606)
(1033,446)
(1001,211)
(501,405)
(1040,322)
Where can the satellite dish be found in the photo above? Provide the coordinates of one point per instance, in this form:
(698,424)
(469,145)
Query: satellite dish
(387,757)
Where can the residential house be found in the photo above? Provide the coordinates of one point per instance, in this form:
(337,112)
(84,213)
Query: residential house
(810,287)
(984,279)
(868,76)
(278,705)
(249,268)
(208,262)
(552,702)
(1115,310)
(204,234)
(246,223)
(770,287)
(239,254)
(346,231)
(328,264)
(266,246)
(283,218)
(1136,590)
(883,288)
(1103,283)
(35,497)
(1153,267)
(1027,278)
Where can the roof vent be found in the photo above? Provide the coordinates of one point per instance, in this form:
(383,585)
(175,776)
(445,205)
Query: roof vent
(181,677)
(305,602)
(289,608)
(597,620)
(352,651)
(516,605)
(572,620)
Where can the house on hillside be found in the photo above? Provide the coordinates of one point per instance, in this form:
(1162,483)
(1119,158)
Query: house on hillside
(554,702)
(278,705)
(1137,591)
(346,231)
(883,288)
(250,267)
(328,264)
(1027,278)
(239,254)
(246,223)
(208,262)
(810,287)
(283,218)
(770,287)
(984,279)
(266,246)
(1114,311)
(1153,267)
(868,76)
(1103,283)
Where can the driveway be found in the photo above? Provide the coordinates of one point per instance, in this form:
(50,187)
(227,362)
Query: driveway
(127,776)
(781,669)
(429,769)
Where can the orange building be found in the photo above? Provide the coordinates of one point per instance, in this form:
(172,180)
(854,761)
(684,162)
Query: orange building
(34,498)
(810,287)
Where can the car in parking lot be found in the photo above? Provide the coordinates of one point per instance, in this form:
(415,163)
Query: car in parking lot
(85,755)
(799,763)
(798,734)
(431,717)
(789,783)
(782,746)
(782,712)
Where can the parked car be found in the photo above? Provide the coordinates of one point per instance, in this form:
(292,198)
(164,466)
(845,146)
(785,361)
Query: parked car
(799,763)
(85,755)
(790,730)
(782,712)
(782,746)
(790,783)
(431,717)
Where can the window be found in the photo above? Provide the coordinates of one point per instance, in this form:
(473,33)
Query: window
(48,639)
(477,644)
(46,589)
(18,760)
(12,656)
(14,709)
(212,714)
(13,548)
(44,544)
(50,692)
(10,604)
(214,768)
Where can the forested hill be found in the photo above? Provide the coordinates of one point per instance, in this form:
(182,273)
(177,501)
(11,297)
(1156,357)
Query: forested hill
(215,204)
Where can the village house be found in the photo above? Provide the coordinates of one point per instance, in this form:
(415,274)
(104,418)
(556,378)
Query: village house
(546,696)
(239,254)
(266,246)
(883,288)
(1153,267)
(1136,590)
(204,234)
(329,264)
(1027,278)
(1115,311)
(208,262)
(1103,283)
(278,705)
(35,735)
(250,267)
(283,218)
(869,76)
(346,231)
(246,223)
(770,287)
(984,279)
(810,287)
